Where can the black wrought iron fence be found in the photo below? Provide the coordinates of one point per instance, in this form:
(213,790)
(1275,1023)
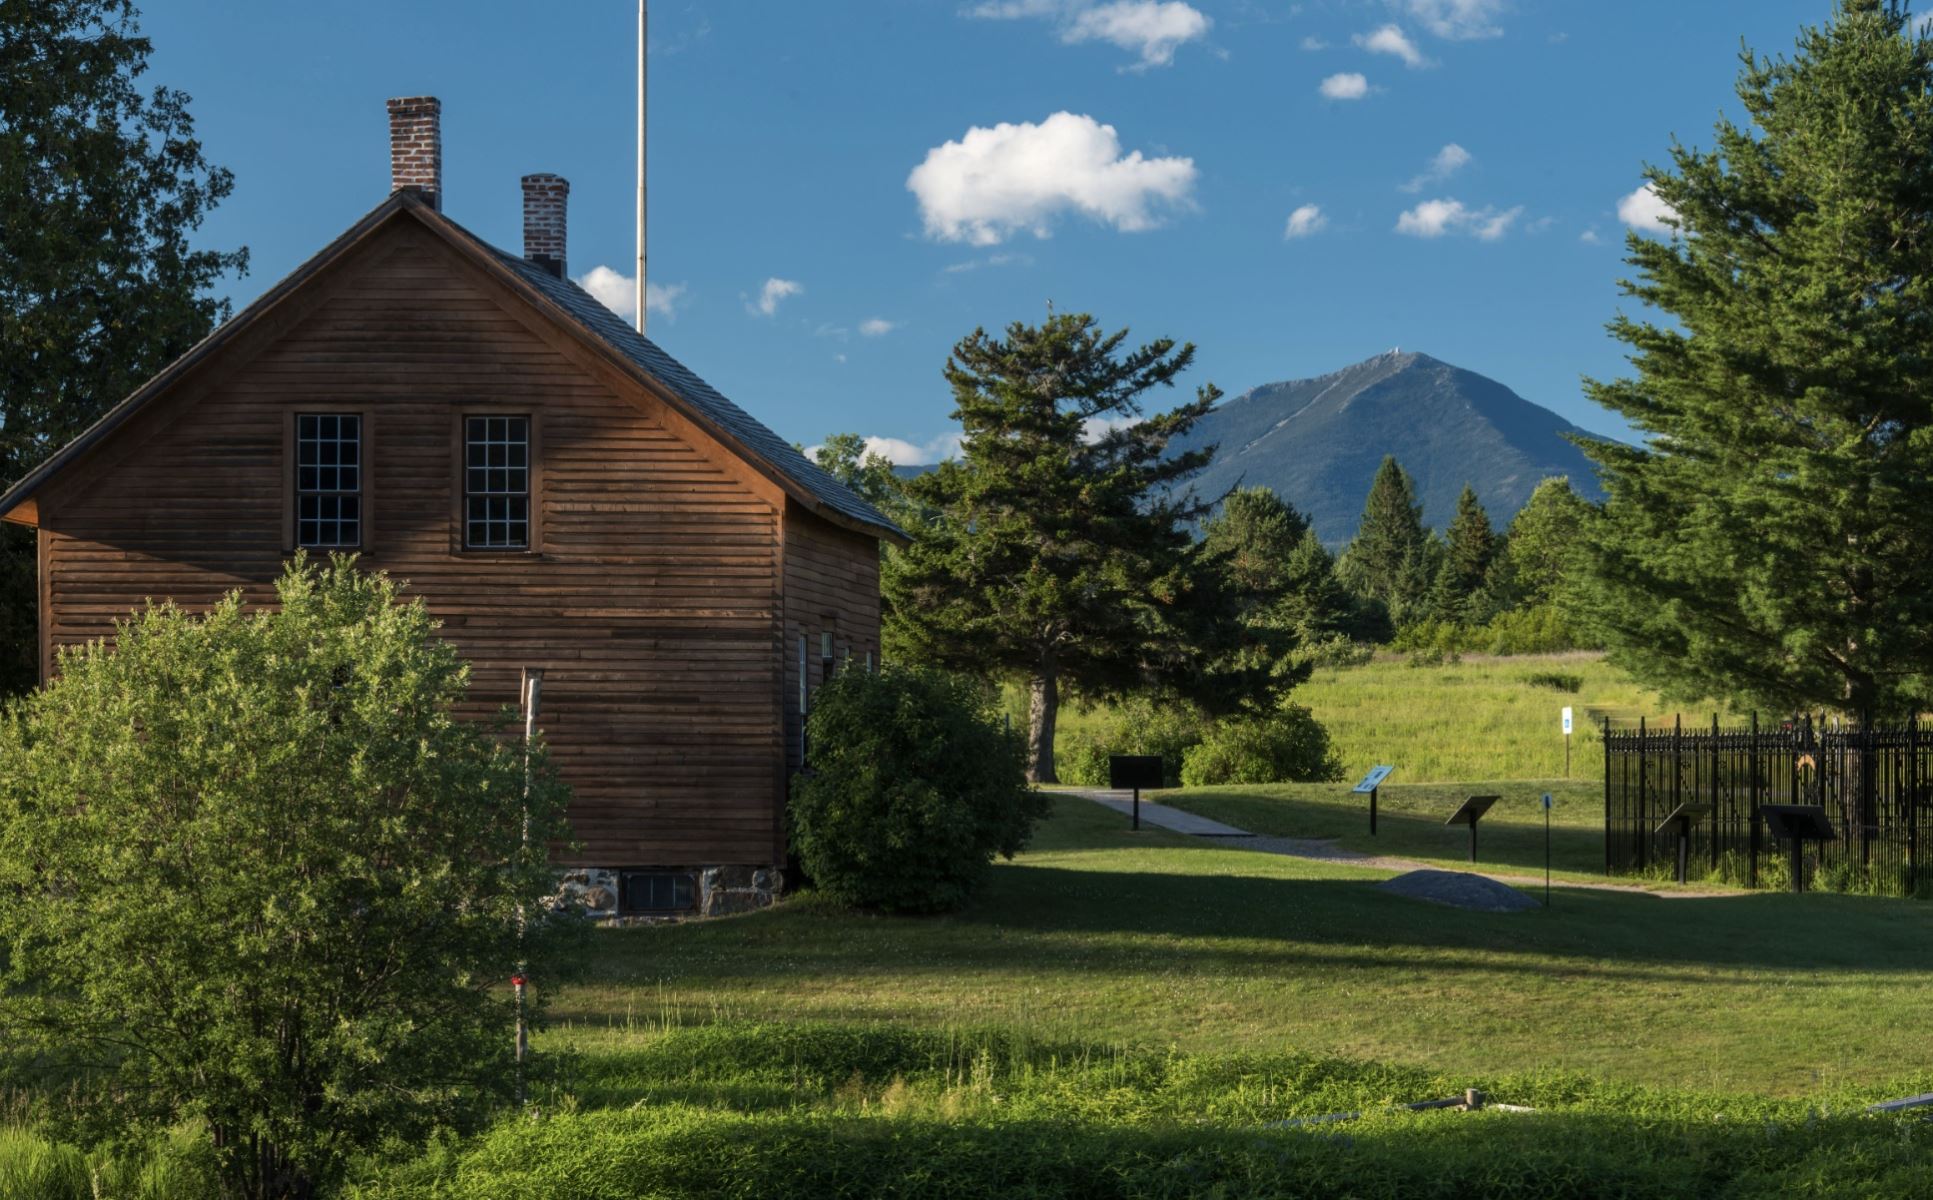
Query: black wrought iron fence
(1873,783)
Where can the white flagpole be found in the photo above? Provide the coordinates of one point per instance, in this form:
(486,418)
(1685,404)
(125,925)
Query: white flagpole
(641,57)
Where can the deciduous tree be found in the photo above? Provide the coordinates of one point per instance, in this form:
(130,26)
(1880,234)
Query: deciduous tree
(258,874)
(101,187)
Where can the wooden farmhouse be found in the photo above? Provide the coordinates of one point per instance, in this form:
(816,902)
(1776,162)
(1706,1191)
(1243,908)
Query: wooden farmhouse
(563,494)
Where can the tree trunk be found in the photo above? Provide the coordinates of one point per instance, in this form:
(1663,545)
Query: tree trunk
(1043,707)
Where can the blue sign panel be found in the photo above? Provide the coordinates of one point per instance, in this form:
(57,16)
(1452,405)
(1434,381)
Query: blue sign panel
(1373,780)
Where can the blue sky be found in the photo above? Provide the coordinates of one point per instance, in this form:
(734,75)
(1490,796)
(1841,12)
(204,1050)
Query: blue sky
(841,190)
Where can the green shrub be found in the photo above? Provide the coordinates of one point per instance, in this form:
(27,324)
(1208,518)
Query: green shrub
(1557,681)
(1290,746)
(914,787)
(1337,650)
(1081,759)
(257,869)
(1140,726)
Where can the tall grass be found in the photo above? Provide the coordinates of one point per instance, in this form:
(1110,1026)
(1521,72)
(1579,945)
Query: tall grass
(877,1110)
(1480,718)
(35,1166)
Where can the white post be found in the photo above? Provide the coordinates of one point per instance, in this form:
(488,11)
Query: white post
(640,163)
(532,689)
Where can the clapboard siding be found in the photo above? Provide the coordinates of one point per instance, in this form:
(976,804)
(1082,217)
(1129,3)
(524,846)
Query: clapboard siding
(831,585)
(653,605)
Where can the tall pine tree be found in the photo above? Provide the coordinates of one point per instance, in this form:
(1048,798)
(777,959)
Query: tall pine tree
(1390,562)
(101,186)
(1048,551)
(1469,546)
(1769,539)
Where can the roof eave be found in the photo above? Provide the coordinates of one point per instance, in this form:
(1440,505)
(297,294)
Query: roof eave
(26,487)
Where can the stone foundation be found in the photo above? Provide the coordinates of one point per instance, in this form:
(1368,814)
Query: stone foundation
(721,892)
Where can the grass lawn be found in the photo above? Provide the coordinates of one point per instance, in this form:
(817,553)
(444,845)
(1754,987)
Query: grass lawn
(1099,936)
(1410,819)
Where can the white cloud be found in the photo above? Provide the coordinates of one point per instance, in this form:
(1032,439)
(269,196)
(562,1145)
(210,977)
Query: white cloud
(1590,237)
(1312,43)
(771,294)
(1304,222)
(876,327)
(1009,179)
(1391,39)
(619,293)
(1004,259)
(1448,161)
(902,453)
(1435,218)
(1095,428)
(1644,211)
(1347,86)
(1458,20)
(1152,29)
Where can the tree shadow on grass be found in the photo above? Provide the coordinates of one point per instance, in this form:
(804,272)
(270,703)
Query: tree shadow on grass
(1211,894)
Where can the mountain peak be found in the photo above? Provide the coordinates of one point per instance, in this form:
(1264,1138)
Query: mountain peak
(1317,442)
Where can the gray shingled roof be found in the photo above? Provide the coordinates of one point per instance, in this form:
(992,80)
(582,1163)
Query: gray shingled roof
(779,454)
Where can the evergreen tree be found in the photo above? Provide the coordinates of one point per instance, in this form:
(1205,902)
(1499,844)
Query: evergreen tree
(1768,540)
(1253,544)
(1468,549)
(1323,607)
(1050,553)
(1390,561)
(100,187)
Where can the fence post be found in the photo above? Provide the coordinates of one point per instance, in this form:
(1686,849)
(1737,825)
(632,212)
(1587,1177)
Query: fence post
(1607,793)
(1715,821)
(1677,768)
(1644,752)
(1913,804)
(1868,784)
(1751,864)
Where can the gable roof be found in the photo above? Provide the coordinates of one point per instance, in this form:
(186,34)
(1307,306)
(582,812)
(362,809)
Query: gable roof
(565,303)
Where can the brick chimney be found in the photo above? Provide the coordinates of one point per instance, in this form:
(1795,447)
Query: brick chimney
(545,198)
(416,147)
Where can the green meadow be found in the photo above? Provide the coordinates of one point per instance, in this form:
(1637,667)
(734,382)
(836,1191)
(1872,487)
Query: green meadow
(1478,718)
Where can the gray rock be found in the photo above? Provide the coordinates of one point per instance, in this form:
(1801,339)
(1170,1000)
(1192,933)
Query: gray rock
(1459,889)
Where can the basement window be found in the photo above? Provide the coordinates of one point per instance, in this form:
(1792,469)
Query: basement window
(658,892)
(328,481)
(496,483)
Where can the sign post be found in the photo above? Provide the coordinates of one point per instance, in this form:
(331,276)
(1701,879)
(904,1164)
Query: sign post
(1547,845)
(1567,743)
(1134,771)
(1369,784)
(1472,812)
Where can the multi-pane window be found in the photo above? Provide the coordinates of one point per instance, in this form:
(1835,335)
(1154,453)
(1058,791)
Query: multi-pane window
(496,482)
(328,480)
(658,891)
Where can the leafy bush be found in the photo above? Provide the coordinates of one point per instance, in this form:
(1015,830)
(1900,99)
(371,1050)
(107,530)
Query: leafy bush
(1557,681)
(1290,746)
(1337,650)
(914,787)
(258,873)
(1141,726)
(1539,630)
(1542,629)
